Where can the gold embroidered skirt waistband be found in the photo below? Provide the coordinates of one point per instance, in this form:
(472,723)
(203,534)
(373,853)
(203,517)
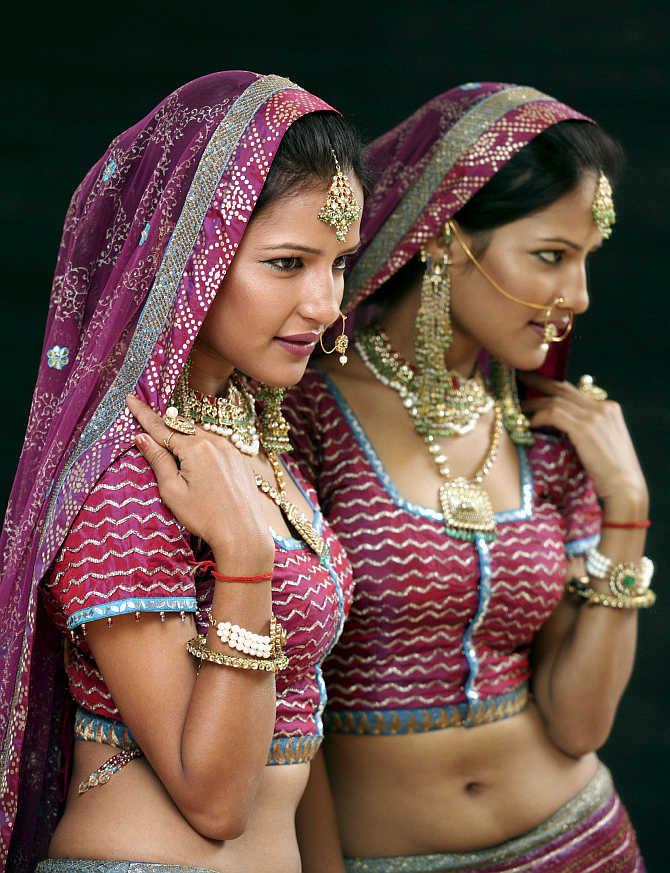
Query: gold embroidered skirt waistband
(391,722)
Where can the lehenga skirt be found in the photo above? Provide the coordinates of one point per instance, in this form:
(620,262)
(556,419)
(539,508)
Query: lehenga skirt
(90,865)
(592,832)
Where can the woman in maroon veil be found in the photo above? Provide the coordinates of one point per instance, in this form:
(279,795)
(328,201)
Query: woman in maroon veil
(201,259)
(497,551)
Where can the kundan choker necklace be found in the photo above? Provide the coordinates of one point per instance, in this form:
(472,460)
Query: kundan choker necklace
(233,416)
(465,504)
(467,399)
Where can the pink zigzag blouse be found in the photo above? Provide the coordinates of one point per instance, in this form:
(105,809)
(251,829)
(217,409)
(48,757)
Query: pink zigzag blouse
(440,630)
(127,553)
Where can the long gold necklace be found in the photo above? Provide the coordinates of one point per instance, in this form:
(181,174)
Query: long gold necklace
(233,416)
(294,516)
(466,506)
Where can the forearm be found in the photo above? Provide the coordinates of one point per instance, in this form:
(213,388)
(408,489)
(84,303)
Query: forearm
(589,675)
(206,736)
(316,824)
(230,719)
(594,662)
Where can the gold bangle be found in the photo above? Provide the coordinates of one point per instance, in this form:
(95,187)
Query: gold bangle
(580,589)
(637,601)
(198,648)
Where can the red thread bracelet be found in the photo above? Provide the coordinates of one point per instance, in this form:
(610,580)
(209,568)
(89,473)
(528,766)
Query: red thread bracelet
(221,577)
(627,525)
(262,577)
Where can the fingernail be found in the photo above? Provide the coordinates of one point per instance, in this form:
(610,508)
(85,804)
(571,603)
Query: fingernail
(141,441)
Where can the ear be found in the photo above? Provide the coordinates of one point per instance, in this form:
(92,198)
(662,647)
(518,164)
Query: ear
(441,244)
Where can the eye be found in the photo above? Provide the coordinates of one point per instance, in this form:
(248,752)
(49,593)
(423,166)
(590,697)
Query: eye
(550,256)
(284,265)
(340,263)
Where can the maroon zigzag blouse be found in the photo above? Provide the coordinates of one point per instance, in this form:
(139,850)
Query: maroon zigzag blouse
(127,553)
(440,630)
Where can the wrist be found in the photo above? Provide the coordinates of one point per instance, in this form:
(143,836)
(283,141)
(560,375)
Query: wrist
(236,563)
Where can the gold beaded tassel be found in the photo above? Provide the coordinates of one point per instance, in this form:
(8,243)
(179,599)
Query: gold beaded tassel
(433,339)
(503,383)
(275,429)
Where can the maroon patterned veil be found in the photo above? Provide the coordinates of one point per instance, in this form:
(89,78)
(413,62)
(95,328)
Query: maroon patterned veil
(431,164)
(148,237)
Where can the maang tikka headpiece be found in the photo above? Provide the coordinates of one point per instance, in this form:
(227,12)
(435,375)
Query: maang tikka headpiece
(602,207)
(341,208)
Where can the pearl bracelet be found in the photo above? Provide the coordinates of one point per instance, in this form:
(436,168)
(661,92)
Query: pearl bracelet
(243,640)
(597,564)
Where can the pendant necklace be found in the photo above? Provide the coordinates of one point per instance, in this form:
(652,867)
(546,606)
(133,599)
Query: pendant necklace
(466,506)
(464,400)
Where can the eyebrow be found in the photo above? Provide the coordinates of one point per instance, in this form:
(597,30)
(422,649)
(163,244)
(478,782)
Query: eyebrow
(560,239)
(307,249)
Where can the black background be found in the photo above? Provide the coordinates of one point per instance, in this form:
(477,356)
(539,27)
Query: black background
(78,78)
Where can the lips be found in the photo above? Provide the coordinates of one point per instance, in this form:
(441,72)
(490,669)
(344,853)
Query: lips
(310,337)
(299,344)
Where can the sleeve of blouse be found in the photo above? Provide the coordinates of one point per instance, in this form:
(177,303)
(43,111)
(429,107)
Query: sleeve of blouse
(300,409)
(125,552)
(579,504)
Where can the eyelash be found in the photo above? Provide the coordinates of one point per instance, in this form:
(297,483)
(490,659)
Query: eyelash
(288,265)
(559,253)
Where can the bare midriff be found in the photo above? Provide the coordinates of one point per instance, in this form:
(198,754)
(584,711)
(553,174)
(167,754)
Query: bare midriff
(132,817)
(449,790)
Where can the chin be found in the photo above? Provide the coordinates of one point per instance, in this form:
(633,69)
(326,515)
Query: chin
(278,377)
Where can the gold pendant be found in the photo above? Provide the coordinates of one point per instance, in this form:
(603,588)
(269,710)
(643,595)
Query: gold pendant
(466,508)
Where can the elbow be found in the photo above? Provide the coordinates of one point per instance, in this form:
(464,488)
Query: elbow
(219,822)
(579,739)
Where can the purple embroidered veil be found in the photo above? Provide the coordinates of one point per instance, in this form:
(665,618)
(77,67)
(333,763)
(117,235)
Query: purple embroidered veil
(148,237)
(432,163)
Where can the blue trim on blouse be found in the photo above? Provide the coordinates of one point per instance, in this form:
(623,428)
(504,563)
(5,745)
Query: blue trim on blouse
(424,719)
(576,548)
(293,544)
(522,512)
(99,729)
(131,604)
(469,649)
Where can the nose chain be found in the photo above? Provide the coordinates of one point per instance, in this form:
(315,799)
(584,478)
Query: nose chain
(551,334)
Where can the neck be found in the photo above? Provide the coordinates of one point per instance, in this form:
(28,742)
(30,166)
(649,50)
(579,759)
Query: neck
(209,371)
(399,322)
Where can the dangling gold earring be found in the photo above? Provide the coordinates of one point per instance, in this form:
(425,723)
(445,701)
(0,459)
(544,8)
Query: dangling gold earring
(341,343)
(275,429)
(503,383)
(433,339)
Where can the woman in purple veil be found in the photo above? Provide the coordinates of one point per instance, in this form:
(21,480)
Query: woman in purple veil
(201,259)
(497,550)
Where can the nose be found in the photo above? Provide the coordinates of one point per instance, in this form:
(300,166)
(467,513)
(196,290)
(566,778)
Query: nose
(321,297)
(576,292)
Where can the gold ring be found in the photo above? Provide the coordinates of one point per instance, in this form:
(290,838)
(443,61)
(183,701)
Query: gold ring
(166,440)
(587,386)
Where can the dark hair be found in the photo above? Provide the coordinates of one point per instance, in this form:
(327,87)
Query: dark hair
(305,154)
(548,167)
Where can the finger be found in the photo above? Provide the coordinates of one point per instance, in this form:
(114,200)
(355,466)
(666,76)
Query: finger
(160,459)
(567,402)
(556,416)
(153,424)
